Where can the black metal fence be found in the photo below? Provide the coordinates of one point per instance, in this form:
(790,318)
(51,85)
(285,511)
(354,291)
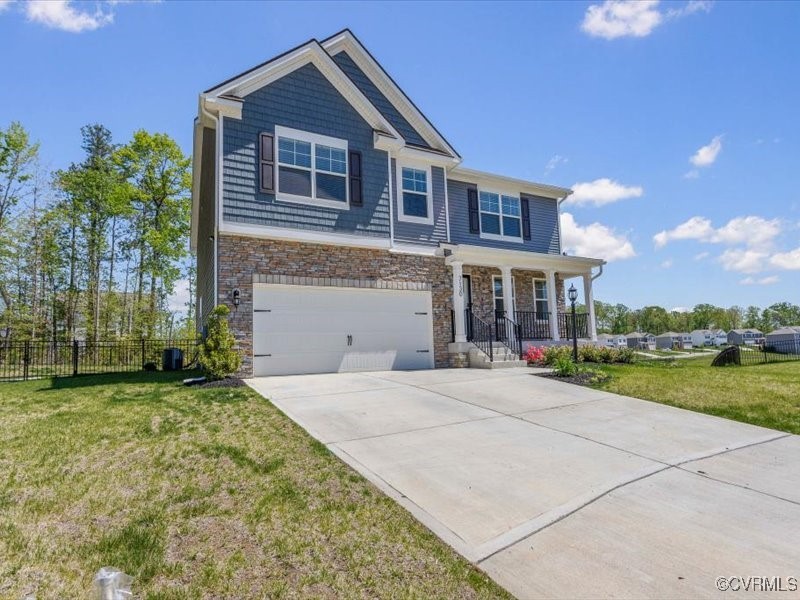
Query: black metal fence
(23,360)
(769,353)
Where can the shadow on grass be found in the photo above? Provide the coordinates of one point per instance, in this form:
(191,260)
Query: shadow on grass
(138,377)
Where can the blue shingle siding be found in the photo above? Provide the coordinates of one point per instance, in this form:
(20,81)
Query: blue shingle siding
(544,223)
(305,100)
(418,233)
(386,108)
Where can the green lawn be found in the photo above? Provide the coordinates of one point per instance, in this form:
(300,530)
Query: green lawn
(766,395)
(197,493)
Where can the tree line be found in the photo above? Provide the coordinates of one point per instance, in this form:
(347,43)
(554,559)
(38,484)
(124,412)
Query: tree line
(618,318)
(94,251)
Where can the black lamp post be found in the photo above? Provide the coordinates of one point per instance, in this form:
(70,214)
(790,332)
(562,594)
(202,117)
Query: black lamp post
(573,296)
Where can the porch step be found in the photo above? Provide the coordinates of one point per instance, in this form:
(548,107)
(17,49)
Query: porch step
(497,364)
(503,359)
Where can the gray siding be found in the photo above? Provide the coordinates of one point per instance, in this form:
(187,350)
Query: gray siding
(543,214)
(306,100)
(386,108)
(415,232)
(206,229)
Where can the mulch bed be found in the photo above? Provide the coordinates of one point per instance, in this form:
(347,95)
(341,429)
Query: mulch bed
(585,379)
(228,382)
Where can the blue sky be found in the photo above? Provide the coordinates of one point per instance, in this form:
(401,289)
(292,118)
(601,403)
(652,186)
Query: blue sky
(676,123)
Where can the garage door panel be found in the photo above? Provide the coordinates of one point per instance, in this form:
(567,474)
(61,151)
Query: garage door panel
(303,329)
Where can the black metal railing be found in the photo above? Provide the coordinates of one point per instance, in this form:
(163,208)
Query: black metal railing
(481,333)
(773,352)
(566,327)
(533,326)
(507,331)
(36,359)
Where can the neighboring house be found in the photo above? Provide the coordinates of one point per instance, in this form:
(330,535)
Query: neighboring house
(785,339)
(709,337)
(747,337)
(338,224)
(672,340)
(612,340)
(641,340)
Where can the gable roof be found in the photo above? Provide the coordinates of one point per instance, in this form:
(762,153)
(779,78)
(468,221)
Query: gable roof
(346,41)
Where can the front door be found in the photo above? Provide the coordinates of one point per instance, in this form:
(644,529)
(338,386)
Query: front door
(466,289)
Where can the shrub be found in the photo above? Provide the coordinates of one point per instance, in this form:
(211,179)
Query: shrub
(553,353)
(564,367)
(625,355)
(217,353)
(534,355)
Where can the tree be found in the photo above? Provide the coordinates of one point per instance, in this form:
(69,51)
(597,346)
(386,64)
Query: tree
(218,354)
(781,314)
(752,317)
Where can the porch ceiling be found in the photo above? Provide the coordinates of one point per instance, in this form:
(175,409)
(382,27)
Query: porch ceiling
(570,266)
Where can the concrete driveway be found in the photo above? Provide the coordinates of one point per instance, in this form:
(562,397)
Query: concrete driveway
(561,491)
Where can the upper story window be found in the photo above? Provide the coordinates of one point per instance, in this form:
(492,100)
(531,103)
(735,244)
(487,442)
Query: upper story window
(414,203)
(312,168)
(501,217)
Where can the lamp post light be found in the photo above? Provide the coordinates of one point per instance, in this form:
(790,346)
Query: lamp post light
(573,296)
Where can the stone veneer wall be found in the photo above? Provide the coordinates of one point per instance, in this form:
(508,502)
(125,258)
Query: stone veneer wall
(483,297)
(243,260)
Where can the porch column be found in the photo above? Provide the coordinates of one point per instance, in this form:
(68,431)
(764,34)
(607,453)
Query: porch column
(508,292)
(589,300)
(553,305)
(458,301)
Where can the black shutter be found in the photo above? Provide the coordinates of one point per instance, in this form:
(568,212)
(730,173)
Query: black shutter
(526,219)
(266,163)
(474,215)
(356,191)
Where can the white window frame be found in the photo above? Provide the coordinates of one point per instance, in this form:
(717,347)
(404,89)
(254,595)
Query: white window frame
(401,215)
(494,294)
(501,237)
(313,139)
(546,298)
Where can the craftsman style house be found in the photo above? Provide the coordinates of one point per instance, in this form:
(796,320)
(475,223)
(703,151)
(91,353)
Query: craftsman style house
(336,222)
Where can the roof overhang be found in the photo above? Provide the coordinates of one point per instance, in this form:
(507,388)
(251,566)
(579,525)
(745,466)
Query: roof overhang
(345,41)
(482,178)
(520,259)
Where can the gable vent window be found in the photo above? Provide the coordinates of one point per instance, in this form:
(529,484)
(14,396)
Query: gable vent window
(501,217)
(415,195)
(312,168)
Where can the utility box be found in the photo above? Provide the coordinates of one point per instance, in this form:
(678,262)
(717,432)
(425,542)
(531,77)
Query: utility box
(172,359)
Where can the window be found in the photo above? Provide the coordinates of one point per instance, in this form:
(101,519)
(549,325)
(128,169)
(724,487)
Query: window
(311,168)
(500,217)
(497,292)
(415,198)
(540,297)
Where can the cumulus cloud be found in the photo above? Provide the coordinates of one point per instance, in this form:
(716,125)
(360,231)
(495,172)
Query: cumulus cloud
(681,309)
(555,161)
(180,296)
(702,255)
(63,15)
(706,155)
(743,260)
(595,240)
(762,281)
(633,18)
(751,231)
(602,191)
(789,261)
(4,4)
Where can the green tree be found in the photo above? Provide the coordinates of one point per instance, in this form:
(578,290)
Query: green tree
(752,318)
(781,314)
(218,354)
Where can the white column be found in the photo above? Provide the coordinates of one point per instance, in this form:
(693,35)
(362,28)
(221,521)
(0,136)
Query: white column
(458,301)
(508,292)
(553,305)
(589,300)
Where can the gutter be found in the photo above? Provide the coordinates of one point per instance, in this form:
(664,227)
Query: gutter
(217,191)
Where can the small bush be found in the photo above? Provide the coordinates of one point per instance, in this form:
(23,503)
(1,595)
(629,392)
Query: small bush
(553,353)
(150,366)
(218,356)
(564,367)
(534,355)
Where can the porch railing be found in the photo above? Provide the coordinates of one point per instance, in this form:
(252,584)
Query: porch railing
(565,325)
(480,333)
(532,325)
(507,331)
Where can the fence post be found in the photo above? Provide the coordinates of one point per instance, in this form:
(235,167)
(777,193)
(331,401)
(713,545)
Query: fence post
(143,360)
(74,357)
(26,357)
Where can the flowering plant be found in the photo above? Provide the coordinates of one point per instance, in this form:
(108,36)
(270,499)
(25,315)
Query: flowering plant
(534,355)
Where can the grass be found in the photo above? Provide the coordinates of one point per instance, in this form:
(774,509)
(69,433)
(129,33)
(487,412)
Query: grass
(196,493)
(766,395)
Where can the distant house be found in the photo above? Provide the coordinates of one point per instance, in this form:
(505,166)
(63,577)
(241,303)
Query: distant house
(747,337)
(785,339)
(671,340)
(709,337)
(612,340)
(641,340)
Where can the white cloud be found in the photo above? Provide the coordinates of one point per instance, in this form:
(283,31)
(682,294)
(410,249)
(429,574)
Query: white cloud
(602,191)
(706,155)
(180,296)
(62,14)
(702,255)
(763,281)
(667,264)
(555,161)
(751,231)
(4,4)
(681,309)
(743,261)
(790,261)
(633,18)
(595,240)
(692,174)
(622,18)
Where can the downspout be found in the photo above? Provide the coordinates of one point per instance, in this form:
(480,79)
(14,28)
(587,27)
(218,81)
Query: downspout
(600,272)
(217,191)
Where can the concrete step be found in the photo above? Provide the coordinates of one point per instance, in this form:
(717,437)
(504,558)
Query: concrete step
(497,364)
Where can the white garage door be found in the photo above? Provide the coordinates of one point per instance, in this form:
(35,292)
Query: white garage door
(304,329)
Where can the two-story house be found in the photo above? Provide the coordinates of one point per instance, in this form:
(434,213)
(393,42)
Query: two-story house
(339,226)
